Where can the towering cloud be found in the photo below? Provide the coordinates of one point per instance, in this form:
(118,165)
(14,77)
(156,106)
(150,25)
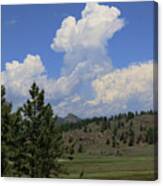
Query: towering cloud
(98,23)
(84,41)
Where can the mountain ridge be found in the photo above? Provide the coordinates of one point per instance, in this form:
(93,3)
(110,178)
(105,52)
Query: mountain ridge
(70,118)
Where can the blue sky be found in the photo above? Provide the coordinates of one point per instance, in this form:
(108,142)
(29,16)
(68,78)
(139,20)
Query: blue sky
(30,29)
(35,26)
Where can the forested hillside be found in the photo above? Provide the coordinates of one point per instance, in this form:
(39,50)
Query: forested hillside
(112,135)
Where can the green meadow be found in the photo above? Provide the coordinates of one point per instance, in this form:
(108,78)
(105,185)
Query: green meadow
(133,167)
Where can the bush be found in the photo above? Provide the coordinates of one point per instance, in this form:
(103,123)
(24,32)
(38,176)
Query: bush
(108,141)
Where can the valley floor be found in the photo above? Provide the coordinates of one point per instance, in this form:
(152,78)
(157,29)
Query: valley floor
(127,167)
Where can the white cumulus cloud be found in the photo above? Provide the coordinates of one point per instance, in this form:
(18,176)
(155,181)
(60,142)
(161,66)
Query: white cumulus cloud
(135,82)
(19,76)
(84,41)
(122,90)
(98,23)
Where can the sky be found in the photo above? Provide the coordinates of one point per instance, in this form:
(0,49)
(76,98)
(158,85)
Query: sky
(92,59)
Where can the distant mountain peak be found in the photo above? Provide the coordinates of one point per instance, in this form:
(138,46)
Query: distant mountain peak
(71,118)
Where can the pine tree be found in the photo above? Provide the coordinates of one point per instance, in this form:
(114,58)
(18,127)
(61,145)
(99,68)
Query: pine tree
(51,145)
(43,145)
(131,137)
(6,136)
(85,129)
(130,115)
(12,137)
(113,141)
(107,141)
(150,136)
(21,166)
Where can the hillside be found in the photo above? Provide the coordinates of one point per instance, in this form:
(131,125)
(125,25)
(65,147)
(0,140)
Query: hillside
(116,135)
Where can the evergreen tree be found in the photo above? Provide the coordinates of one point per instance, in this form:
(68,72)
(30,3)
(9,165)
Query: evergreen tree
(115,130)
(6,136)
(85,129)
(43,145)
(130,115)
(107,141)
(122,136)
(12,138)
(131,137)
(113,141)
(103,127)
(139,139)
(150,136)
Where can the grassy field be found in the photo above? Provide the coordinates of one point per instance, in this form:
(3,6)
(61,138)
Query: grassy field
(133,167)
(116,159)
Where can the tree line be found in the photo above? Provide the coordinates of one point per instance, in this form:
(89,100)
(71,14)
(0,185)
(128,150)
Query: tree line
(105,121)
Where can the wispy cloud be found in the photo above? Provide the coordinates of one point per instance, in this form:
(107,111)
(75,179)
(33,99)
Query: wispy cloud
(12,22)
